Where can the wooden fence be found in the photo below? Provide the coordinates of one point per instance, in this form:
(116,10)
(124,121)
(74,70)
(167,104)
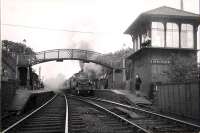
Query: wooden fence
(181,99)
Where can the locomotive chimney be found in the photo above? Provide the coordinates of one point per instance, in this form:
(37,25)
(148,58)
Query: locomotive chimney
(81,63)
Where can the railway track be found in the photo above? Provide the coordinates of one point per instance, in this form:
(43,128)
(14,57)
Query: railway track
(50,117)
(88,117)
(147,120)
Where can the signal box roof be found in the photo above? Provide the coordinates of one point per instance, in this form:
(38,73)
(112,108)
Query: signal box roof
(164,13)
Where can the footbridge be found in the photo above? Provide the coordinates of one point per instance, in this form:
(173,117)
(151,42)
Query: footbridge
(65,54)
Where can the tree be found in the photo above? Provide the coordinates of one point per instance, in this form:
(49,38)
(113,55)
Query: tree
(117,57)
(15,47)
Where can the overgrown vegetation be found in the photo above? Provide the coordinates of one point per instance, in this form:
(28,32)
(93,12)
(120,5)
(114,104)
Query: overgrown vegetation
(117,57)
(10,50)
(182,71)
(15,47)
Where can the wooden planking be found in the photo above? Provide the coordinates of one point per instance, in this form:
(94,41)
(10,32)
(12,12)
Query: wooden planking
(180,99)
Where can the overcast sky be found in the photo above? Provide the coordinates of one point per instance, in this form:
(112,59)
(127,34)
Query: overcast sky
(44,24)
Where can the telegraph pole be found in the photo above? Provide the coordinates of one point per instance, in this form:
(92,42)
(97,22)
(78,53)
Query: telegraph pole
(40,72)
(198,33)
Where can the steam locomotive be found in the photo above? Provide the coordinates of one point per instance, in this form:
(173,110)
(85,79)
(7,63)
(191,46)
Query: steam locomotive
(80,84)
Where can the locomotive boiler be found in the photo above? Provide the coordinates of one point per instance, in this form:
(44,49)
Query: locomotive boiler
(80,84)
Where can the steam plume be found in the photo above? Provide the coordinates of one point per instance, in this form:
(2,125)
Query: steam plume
(93,70)
(54,83)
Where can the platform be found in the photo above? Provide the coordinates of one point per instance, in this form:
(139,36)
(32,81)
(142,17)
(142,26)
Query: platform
(20,99)
(132,97)
(121,96)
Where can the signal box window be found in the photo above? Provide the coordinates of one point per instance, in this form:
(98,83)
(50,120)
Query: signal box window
(157,33)
(172,35)
(187,36)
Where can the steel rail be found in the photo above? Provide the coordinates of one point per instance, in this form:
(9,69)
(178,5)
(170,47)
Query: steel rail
(66,115)
(141,129)
(27,116)
(149,112)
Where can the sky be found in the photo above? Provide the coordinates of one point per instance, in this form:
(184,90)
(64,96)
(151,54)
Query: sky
(48,24)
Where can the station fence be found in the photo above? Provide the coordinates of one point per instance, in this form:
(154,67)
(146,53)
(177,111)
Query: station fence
(181,99)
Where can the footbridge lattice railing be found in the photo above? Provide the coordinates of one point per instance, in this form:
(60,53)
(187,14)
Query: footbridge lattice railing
(65,54)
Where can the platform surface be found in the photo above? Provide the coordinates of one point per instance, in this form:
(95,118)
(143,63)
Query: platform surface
(132,97)
(20,99)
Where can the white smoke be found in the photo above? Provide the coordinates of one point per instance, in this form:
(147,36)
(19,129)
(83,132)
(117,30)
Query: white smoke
(55,83)
(85,42)
(93,70)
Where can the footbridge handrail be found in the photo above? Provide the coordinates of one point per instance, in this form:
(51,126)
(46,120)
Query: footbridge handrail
(64,54)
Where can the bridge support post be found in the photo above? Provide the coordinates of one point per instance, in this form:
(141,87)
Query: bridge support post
(28,78)
(113,78)
(16,69)
(124,70)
